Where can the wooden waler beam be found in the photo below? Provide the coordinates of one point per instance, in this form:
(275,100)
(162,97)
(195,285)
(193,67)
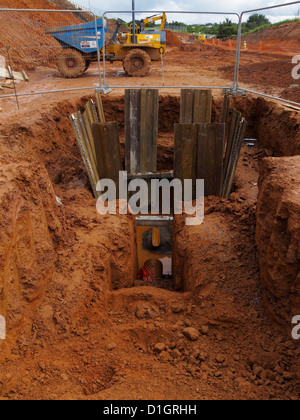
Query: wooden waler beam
(199,144)
(211,142)
(141,130)
(198,154)
(205,150)
(185,153)
(100,108)
(108,154)
(231,165)
(85,151)
(195,106)
(83,128)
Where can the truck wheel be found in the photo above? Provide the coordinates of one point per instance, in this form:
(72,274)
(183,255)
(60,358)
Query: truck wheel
(137,63)
(71,63)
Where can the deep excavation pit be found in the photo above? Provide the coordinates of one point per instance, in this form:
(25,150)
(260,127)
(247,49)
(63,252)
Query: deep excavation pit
(63,163)
(64,269)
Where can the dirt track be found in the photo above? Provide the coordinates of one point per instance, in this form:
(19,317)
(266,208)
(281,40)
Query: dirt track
(69,334)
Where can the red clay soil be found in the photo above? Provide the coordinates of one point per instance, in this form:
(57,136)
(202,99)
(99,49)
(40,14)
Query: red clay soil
(279,70)
(173,39)
(70,336)
(278,236)
(266,73)
(275,74)
(286,33)
(276,127)
(292,93)
(29,45)
(24,33)
(272,66)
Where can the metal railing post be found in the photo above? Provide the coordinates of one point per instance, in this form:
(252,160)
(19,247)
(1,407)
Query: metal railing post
(104,88)
(98,49)
(104,55)
(238,54)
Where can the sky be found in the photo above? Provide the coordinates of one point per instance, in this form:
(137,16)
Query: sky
(275,15)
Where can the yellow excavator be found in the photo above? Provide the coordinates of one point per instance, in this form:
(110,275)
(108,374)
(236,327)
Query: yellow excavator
(202,37)
(135,49)
(140,46)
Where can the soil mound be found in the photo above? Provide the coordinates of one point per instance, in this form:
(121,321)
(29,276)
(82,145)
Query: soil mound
(279,75)
(24,33)
(29,46)
(287,32)
(173,39)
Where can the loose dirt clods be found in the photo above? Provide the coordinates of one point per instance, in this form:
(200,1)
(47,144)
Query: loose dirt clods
(77,329)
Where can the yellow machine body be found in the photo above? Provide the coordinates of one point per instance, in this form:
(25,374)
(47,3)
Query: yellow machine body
(153,42)
(202,37)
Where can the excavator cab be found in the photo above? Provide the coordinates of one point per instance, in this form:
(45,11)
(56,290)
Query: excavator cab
(144,35)
(149,45)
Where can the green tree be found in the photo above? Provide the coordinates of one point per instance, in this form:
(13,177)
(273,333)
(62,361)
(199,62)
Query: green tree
(227,29)
(255,21)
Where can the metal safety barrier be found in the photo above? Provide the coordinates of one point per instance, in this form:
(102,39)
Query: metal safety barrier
(168,12)
(271,59)
(99,82)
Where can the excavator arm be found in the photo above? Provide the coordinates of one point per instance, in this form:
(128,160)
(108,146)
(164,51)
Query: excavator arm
(154,18)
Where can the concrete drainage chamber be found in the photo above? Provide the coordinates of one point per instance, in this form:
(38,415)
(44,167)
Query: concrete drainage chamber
(154,250)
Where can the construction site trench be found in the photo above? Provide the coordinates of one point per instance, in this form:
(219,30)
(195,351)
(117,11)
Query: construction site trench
(80,325)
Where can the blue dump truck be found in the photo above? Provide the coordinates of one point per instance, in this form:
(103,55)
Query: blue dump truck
(135,50)
(79,43)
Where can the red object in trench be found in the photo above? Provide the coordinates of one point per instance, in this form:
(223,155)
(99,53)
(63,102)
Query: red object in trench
(146,274)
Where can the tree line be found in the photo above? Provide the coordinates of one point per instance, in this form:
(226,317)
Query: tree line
(228,28)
